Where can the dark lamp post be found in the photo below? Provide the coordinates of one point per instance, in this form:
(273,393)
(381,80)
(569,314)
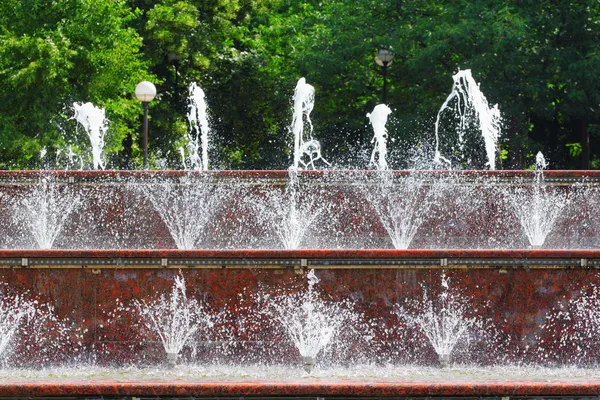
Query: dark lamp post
(145,92)
(383,59)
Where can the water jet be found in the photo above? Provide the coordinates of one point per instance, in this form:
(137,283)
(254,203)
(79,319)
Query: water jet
(349,270)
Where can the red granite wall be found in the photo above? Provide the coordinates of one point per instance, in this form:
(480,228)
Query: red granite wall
(470,213)
(513,303)
(96,321)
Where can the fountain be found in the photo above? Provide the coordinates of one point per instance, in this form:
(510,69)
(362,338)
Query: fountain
(472,107)
(378,120)
(95,124)
(367,281)
(402,204)
(304,102)
(290,212)
(30,331)
(539,207)
(175,319)
(380,242)
(197,147)
(584,312)
(310,322)
(14,310)
(44,209)
(444,321)
(186,206)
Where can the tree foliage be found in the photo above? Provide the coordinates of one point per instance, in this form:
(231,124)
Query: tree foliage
(54,53)
(538,60)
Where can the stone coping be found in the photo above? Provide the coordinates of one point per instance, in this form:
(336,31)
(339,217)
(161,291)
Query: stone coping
(305,253)
(306,258)
(330,388)
(280,174)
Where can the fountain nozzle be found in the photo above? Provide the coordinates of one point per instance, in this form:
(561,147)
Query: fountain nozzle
(172,359)
(308,364)
(444,360)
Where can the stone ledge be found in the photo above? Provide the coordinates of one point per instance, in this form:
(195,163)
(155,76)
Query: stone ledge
(259,388)
(378,258)
(557,176)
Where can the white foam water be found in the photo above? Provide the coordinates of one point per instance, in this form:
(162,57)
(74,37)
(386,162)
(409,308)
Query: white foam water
(378,118)
(196,156)
(95,124)
(471,106)
(306,150)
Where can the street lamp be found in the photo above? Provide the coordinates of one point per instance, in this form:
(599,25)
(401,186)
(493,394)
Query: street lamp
(145,92)
(383,59)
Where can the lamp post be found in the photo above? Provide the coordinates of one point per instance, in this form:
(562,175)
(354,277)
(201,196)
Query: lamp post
(145,92)
(383,59)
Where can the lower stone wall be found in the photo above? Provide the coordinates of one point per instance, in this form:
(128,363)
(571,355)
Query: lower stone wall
(524,315)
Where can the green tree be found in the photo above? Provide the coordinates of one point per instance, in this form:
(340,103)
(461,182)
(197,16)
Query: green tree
(538,61)
(54,53)
(198,41)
